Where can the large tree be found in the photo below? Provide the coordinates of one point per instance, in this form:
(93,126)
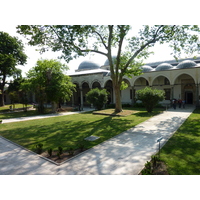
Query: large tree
(79,40)
(49,83)
(11,54)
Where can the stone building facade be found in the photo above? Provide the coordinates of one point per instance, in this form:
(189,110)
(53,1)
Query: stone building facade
(179,79)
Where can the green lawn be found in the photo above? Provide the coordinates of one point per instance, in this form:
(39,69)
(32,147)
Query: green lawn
(182,152)
(68,131)
(7,107)
(10,115)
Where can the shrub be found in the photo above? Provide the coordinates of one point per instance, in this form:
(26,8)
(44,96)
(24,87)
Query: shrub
(81,146)
(148,169)
(50,151)
(39,148)
(60,150)
(59,155)
(150,97)
(126,105)
(71,151)
(97,97)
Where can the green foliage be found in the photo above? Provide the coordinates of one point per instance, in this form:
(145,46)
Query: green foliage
(60,150)
(79,40)
(81,145)
(150,97)
(97,97)
(49,82)
(59,155)
(50,150)
(11,54)
(39,148)
(147,169)
(71,151)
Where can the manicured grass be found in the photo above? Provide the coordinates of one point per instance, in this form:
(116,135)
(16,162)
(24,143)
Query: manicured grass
(182,152)
(69,131)
(10,115)
(7,107)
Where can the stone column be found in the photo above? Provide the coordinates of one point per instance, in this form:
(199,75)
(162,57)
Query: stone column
(73,99)
(172,91)
(133,101)
(197,95)
(81,91)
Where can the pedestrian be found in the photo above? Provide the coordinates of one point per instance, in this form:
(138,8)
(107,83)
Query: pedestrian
(179,103)
(174,104)
(183,103)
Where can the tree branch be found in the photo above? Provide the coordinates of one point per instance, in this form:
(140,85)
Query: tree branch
(101,39)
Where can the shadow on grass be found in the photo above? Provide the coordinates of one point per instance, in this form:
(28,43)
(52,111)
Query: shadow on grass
(182,151)
(66,133)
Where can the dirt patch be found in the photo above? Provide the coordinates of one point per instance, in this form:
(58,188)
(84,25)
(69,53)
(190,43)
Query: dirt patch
(63,157)
(112,112)
(159,169)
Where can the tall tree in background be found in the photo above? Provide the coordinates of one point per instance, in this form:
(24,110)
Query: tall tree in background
(132,50)
(11,54)
(49,83)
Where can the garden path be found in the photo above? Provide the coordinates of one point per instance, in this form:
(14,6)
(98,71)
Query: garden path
(124,154)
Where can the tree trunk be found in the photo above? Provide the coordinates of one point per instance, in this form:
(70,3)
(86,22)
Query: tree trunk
(2,103)
(54,107)
(2,99)
(118,105)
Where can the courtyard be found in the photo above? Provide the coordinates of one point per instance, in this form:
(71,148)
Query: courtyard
(123,147)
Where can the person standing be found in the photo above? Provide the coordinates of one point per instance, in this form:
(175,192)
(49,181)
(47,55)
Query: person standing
(183,103)
(174,104)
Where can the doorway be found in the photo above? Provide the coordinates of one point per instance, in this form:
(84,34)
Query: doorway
(189,97)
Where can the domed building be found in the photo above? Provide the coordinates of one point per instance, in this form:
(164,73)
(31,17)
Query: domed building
(179,79)
(88,65)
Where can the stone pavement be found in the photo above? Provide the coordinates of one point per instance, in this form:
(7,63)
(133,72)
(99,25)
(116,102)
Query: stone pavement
(124,154)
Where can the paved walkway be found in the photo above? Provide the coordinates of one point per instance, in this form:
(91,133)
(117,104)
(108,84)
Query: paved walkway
(44,116)
(124,154)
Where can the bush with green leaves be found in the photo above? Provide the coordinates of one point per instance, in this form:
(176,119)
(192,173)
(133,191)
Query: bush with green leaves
(60,150)
(50,150)
(150,97)
(39,148)
(97,97)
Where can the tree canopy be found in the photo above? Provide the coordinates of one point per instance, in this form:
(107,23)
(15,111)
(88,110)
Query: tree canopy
(49,82)
(79,40)
(11,54)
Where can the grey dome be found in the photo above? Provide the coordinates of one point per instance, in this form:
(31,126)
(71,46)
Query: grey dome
(163,66)
(146,68)
(88,65)
(107,61)
(186,64)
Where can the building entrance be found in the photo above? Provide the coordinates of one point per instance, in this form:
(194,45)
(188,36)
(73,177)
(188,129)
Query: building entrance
(189,97)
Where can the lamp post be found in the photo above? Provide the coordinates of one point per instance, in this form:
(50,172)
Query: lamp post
(158,140)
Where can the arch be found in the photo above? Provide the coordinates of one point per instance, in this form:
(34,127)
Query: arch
(181,73)
(85,84)
(85,90)
(96,84)
(160,80)
(185,88)
(127,82)
(141,81)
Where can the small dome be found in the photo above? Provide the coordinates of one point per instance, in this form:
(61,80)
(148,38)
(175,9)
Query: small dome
(107,61)
(186,64)
(146,68)
(163,66)
(88,65)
